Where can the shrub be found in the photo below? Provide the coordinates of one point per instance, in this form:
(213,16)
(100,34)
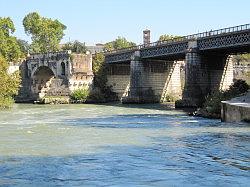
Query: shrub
(6,102)
(170,98)
(80,94)
(213,102)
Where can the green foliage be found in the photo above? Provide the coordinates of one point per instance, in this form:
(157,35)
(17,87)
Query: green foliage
(9,84)
(119,43)
(168,37)
(170,98)
(99,70)
(242,59)
(80,94)
(98,62)
(9,47)
(102,91)
(24,46)
(46,33)
(213,101)
(75,47)
(6,102)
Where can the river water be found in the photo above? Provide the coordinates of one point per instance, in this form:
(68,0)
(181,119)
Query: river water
(119,145)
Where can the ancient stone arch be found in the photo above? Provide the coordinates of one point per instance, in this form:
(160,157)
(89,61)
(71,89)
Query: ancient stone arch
(41,80)
(52,66)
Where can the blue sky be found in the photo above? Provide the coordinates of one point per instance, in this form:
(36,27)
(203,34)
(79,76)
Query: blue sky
(100,21)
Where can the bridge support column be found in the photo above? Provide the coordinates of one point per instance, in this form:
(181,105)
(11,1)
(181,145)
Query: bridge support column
(138,93)
(136,73)
(192,94)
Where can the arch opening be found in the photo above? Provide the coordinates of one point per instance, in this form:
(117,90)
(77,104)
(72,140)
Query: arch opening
(42,80)
(63,68)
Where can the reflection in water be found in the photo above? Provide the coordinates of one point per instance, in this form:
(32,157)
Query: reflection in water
(105,145)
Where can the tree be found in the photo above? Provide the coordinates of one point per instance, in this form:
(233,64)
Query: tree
(46,33)
(99,70)
(102,92)
(9,84)
(24,46)
(75,47)
(119,43)
(168,37)
(9,48)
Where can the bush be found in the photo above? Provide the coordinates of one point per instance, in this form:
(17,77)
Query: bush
(170,98)
(212,103)
(6,102)
(80,94)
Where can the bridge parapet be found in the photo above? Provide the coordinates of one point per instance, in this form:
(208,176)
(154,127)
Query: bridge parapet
(231,37)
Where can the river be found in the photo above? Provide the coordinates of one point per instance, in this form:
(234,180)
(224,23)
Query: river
(119,145)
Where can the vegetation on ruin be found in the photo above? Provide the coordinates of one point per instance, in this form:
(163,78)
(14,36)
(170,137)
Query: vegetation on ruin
(80,95)
(212,105)
(46,33)
(75,47)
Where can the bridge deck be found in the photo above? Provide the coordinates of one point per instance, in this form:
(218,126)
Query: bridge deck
(232,39)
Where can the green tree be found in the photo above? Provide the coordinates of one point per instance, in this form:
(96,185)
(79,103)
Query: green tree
(46,33)
(75,47)
(9,48)
(168,37)
(24,46)
(99,70)
(119,43)
(9,84)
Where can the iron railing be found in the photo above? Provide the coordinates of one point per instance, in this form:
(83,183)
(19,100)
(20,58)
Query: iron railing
(184,38)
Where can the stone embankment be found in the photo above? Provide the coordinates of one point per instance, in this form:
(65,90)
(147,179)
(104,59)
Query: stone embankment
(236,109)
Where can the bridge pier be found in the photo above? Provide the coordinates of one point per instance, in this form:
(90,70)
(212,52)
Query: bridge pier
(192,90)
(192,93)
(137,92)
(205,74)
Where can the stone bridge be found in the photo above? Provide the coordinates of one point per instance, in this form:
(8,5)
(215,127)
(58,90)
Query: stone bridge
(54,74)
(208,65)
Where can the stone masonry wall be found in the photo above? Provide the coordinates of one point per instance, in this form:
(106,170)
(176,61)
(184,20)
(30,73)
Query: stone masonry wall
(221,77)
(119,84)
(162,77)
(119,79)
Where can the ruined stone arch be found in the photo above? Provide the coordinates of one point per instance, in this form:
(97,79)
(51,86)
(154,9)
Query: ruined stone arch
(41,80)
(38,68)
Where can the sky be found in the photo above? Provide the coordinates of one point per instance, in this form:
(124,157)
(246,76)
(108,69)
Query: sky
(101,21)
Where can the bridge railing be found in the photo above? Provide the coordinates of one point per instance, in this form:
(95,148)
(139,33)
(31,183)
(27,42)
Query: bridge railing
(184,38)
